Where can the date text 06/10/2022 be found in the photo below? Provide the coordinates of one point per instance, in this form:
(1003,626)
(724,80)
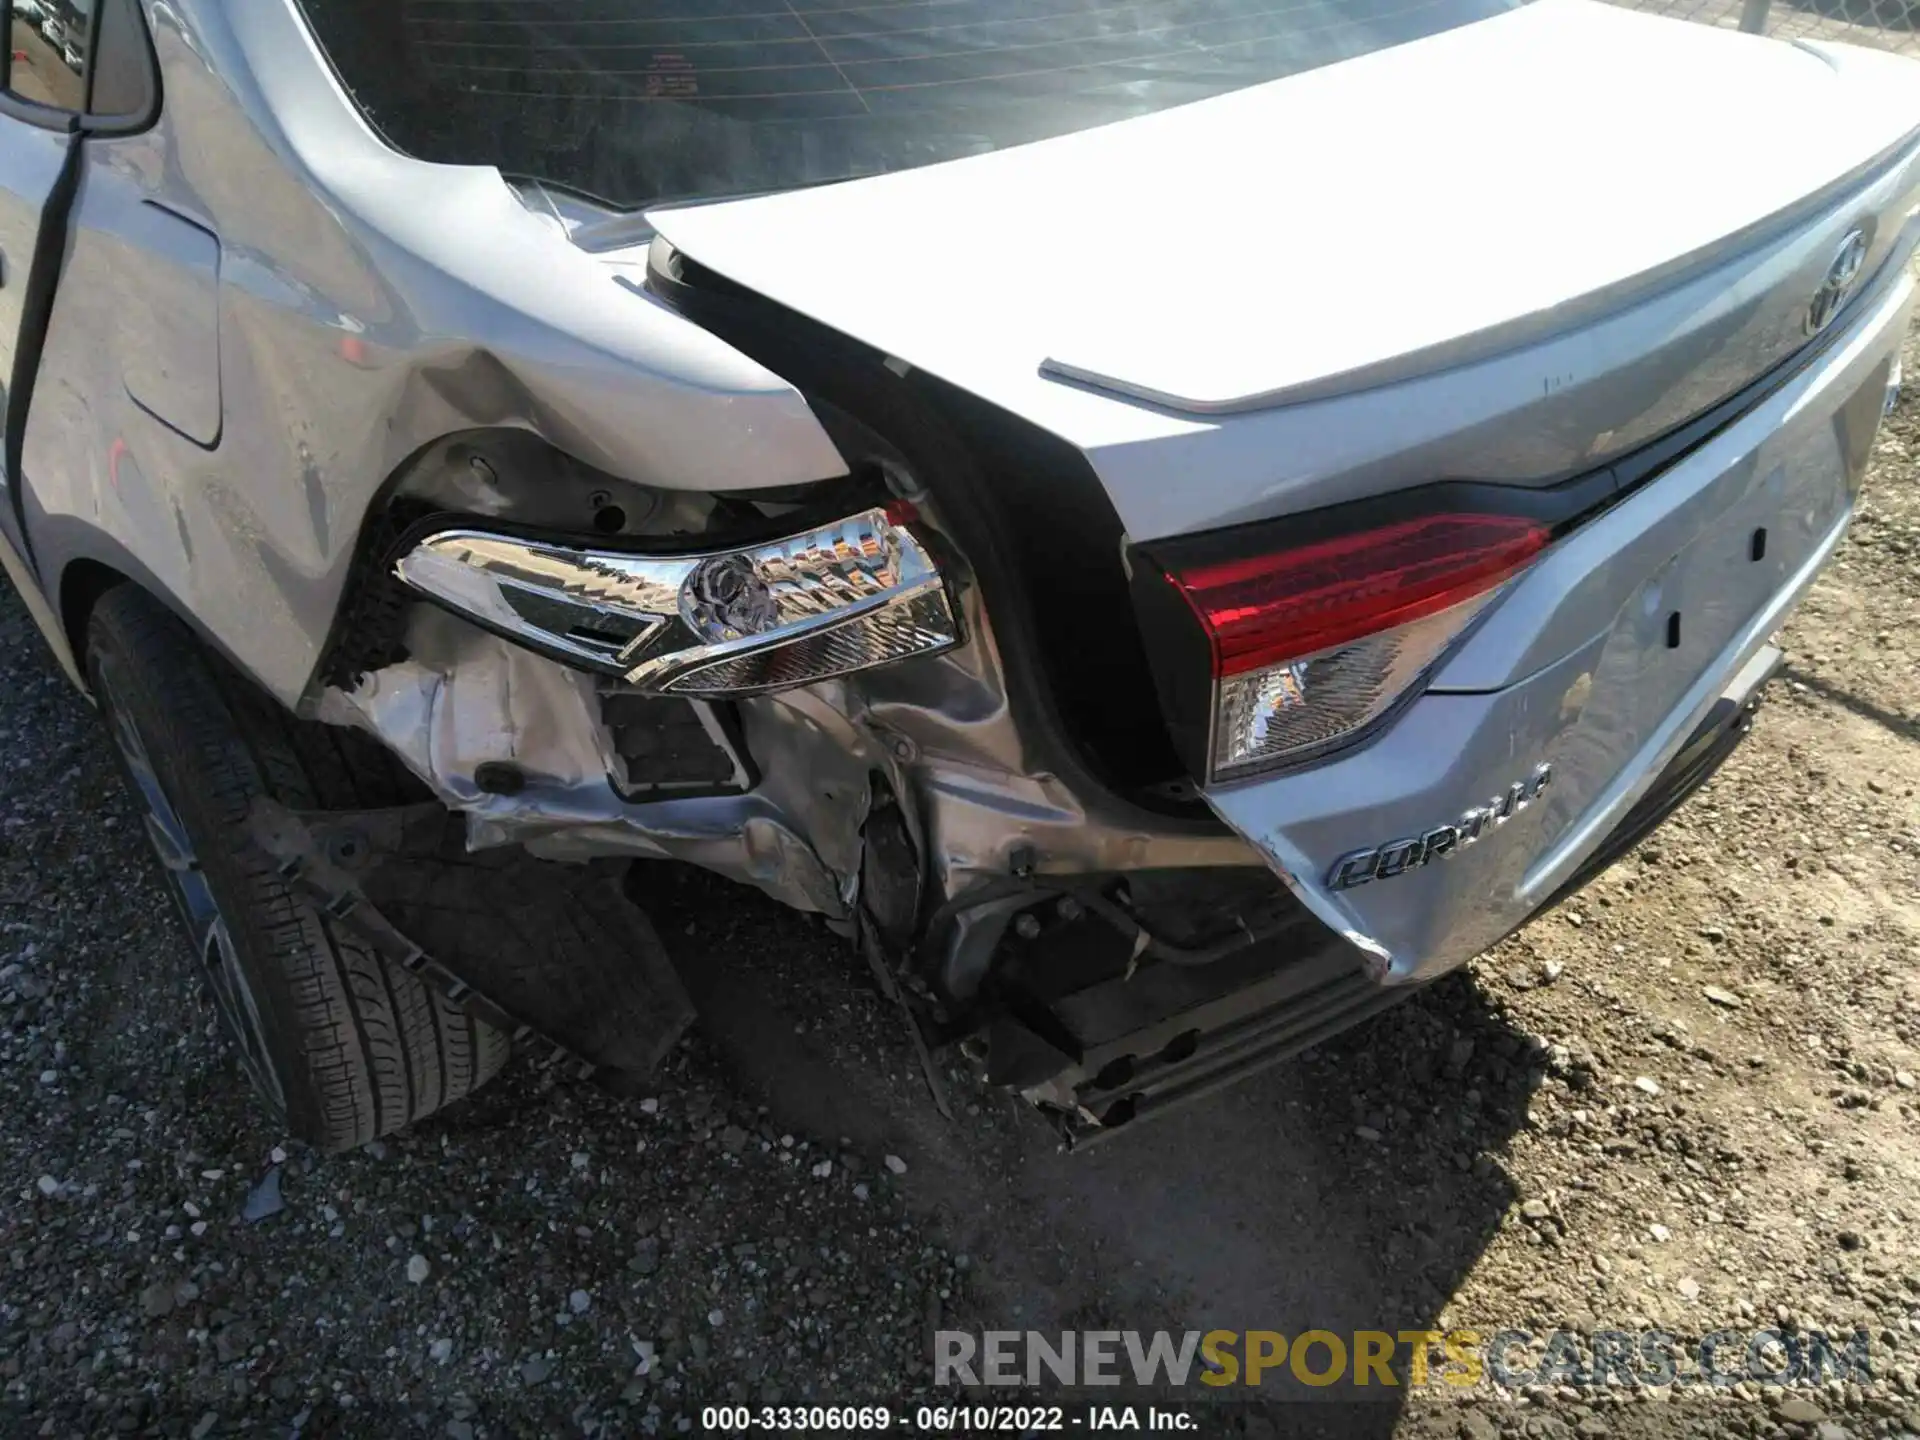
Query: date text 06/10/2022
(943,1419)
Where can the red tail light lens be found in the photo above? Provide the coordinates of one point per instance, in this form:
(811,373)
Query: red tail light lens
(1278,607)
(1312,643)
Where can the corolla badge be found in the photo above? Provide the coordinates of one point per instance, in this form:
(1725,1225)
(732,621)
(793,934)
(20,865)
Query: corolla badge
(1396,857)
(1843,273)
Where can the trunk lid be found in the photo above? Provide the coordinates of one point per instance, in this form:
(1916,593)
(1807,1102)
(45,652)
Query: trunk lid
(1516,252)
(1476,807)
(1385,217)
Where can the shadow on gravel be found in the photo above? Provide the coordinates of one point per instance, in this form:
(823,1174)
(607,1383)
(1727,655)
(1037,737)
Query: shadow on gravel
(1906,727)
(1267,1208)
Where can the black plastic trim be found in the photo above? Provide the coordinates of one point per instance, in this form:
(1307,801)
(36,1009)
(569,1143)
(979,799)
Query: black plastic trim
(36,313)
(32,112)
(1560,507)
(931,427)
(726,717)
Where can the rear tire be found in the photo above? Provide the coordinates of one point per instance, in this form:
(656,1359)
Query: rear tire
(341,1045)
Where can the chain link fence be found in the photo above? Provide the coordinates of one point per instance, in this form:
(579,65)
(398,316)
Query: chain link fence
(1884,24)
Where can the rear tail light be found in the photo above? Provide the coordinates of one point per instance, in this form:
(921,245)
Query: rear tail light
(843,597)
(1310,645)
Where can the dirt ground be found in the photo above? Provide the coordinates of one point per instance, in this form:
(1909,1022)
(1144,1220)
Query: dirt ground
(1685,1101)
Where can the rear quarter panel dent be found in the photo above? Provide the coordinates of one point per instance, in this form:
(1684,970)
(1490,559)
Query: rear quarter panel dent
(362,314)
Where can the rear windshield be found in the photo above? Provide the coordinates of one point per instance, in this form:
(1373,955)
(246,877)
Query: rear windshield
(636,102)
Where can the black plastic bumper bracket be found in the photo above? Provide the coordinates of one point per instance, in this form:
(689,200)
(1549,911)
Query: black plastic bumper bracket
(536,948)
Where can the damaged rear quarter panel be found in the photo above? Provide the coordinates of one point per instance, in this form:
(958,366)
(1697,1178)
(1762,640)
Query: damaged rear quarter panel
(368,304)
(936,732)
(467,698)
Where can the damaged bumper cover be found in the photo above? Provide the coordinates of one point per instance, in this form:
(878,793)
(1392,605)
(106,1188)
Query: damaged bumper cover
(1135,1046)
(741,709)
(562,694)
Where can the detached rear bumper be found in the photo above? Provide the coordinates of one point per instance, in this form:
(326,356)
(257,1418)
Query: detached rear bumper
(1164,1038)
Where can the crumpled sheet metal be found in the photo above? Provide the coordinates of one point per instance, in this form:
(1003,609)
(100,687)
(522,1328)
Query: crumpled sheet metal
(796,836)
(978,795)
(467,697)
(938,730)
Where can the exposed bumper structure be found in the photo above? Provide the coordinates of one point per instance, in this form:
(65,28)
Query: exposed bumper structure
(1135,1046)
(573,698)
(826,711)
(834,680)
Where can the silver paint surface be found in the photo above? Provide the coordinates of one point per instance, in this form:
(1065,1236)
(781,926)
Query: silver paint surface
(168,338)
(1608,713)
(362,306)
(1390,304)
(368,304)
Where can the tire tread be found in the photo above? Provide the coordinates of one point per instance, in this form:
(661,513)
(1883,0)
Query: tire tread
(364,1047)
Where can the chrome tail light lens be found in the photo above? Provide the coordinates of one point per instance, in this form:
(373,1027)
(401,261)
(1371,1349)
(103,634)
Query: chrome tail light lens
(1310,645)
(829,601)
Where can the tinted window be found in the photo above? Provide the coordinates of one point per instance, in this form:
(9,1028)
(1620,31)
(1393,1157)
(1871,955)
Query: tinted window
(637,101)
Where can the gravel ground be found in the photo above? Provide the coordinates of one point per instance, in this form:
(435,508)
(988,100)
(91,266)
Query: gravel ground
(1685,1100)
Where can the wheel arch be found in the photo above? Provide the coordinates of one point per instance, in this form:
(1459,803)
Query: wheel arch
(96,567)
(82,583)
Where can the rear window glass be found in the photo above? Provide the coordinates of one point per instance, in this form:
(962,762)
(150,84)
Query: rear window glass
(640,101)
